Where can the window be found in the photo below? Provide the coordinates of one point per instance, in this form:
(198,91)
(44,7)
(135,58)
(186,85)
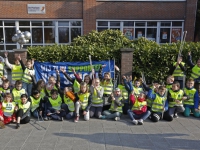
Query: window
(43,32)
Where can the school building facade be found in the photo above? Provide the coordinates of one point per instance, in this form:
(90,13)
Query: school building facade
(59,21)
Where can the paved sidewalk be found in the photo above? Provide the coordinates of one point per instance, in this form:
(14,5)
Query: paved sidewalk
(181,134)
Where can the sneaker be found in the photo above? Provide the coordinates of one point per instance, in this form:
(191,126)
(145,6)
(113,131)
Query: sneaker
(117,118)
(135,122)
(140,122)
(175,115)
(60,119)
(17,126)
(76,119)
(46,119)
(2,125)
(102,117)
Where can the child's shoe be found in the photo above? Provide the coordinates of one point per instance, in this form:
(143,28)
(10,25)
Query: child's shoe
(46,119)
(117,118)
(135,122)
(17,126)
(102,117)
(2,125)
(76,119)
(140,122)
(175,115)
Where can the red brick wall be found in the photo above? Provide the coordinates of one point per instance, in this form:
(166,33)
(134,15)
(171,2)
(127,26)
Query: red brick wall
(190,19)
(89,15)
(54,9)
(141,10)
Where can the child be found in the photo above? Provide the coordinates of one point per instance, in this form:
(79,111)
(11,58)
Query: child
(16,68)
(23,111)
(192,103)
(83,102)
(3,72)
(68,104)
(28,74)
(169,82)
(5,87)
(139,110)
(40,87)
(115,110)
(18,91)
(159,103)
(36,103)
(53,106)
(97,101)
(175,97)
(7,108)
(137,87)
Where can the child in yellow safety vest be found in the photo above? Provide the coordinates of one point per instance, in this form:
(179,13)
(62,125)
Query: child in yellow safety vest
(83,102)
(115,110)
(175,96)
(169,82)
(18,91)
(7,113)
(23,111)
(97,99)
(159,103)
(37,104)
(68,102)
(5,88)
(53,106)
(192,103)
(3,71)
(138,113)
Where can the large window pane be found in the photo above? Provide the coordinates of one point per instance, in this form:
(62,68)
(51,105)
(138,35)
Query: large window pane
(49,35)
(101,29)
(75,32)
(36,23)
(139,32)
(152,24)
(24,23)
(11,47)
(1,35)
(75,23)
(164,35)
(102,23)
(139,23)
(63,34)
(166,24)
(151,34)
(37,35)
(63,23)
(9,23)
(115,23)
(1,47)
(128,23)
(49,23)
(1,23)
(9,32)
(176,23)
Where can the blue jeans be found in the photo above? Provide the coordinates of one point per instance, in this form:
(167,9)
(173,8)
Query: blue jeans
(111,115)
(27,87)
(134,116)
(69,114)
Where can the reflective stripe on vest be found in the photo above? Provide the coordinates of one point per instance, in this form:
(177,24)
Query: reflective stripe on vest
(195,72)
(76,86)
(124,91)
(95,98)
(35,103)
(137,90)
(138,105)
(17,72)
(4,91)
(84,99)
(117,108)
(177,96)
(1,69)
(8,108)
(24,107)
(191,94)
(158,103)
(107,86)
(178,72)
(56,103)
(69,103)
(17,95)
(26,77)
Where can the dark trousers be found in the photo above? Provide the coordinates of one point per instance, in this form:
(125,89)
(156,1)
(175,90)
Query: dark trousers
(95,111)
(24,119)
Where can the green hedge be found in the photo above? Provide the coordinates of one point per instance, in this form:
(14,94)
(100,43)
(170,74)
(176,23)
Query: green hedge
(148,57)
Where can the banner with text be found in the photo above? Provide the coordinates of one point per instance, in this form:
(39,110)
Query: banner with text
(43,70)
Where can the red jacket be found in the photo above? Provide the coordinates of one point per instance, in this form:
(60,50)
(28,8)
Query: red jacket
(143,109)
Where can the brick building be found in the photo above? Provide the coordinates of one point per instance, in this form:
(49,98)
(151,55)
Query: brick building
(60,21)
